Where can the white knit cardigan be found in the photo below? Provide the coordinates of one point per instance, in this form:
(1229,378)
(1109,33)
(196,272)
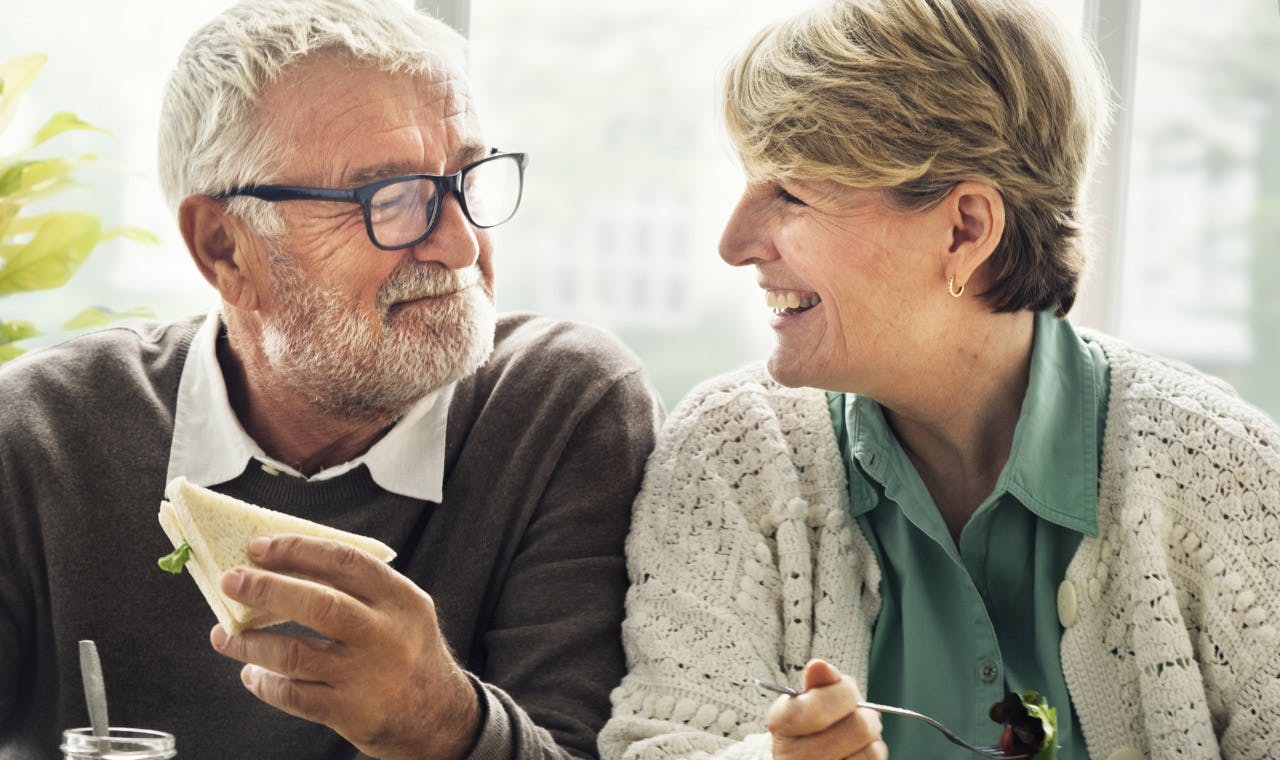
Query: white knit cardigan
(745,562)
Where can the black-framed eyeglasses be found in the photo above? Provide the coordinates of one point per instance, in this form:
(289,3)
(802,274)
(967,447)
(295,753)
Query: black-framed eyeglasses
(402,211)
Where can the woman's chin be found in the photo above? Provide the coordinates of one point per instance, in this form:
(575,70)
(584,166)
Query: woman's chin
(787,371)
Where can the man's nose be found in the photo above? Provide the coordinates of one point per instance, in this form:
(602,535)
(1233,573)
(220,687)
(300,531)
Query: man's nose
(745,240)
(453,241)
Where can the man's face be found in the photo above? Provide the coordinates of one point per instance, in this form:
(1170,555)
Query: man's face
(361,331)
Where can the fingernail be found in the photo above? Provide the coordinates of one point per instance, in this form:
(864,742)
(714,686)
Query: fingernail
(249,675)
(258,546)
(218,638)
(232,580)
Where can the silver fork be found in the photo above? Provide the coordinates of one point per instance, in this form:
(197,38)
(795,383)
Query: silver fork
(993,752)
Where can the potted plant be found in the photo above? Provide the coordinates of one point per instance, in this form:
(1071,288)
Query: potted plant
(41,251)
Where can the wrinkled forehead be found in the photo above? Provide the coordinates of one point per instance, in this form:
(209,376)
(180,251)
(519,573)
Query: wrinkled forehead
(355,111)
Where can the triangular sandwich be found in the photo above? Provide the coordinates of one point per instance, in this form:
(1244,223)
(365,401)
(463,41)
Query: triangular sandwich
(218,528)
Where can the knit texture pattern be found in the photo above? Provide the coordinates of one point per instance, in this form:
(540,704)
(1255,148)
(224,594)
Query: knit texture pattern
(745,563)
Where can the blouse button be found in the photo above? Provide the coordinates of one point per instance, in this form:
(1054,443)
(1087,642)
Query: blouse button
(988,671)
(1068,605)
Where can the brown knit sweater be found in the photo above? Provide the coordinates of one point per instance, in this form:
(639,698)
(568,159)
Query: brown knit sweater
(523,557)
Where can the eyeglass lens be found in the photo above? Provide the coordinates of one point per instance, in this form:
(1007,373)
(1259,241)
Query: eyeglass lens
(401,212)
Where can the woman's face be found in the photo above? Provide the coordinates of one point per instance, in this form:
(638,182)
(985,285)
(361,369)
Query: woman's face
(854,284)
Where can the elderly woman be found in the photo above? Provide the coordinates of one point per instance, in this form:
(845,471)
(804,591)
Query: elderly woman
(940,491)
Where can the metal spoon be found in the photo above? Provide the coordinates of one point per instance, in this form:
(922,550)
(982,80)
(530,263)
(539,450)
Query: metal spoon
(95,691)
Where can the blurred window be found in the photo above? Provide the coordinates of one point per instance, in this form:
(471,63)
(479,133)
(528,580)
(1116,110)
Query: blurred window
(1200,273)
(631,177)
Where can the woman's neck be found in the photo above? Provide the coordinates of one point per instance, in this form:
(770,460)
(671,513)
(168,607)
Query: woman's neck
(956,424)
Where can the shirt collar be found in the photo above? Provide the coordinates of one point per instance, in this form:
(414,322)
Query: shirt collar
(1053,463)
(211,447)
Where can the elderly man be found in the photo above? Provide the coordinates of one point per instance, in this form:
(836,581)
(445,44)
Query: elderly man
(332,182)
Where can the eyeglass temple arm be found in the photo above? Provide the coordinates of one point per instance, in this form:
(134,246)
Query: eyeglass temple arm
(292,193)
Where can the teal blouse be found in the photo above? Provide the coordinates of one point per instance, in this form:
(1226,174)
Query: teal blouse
(960,625)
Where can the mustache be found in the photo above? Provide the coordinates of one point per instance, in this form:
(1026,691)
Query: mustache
(425,281)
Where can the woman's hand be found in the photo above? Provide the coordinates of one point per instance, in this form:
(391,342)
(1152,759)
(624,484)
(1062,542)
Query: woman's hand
(824,722)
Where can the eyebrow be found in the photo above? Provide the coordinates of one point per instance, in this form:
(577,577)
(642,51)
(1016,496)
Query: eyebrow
(466,155)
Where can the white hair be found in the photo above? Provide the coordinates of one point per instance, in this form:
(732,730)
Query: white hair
(210,139)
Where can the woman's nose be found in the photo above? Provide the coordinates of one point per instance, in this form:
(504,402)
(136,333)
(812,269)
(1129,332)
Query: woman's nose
(745,239)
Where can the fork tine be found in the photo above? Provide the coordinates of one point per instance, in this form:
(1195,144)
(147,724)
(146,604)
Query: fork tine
(1000,753)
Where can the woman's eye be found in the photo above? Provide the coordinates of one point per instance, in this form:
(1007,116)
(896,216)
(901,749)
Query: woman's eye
(789,198)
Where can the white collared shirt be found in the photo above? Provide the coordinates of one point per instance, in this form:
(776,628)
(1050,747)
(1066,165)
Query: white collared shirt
(211,447)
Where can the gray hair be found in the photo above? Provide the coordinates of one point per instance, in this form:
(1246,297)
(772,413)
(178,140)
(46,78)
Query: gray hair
(210,139)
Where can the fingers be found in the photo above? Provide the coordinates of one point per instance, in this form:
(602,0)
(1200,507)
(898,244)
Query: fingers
(332,563)
(877,750)
(825,721)
(815,710)
(856,735)
(301,657)
(325,610)
(301,699)
(819,673)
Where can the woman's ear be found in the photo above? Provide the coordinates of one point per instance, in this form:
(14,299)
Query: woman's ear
(976,214)
(210,234)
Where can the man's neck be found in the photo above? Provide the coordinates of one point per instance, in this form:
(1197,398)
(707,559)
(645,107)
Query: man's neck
(287,426)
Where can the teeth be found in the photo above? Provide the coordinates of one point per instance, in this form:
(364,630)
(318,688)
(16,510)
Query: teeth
(780,301)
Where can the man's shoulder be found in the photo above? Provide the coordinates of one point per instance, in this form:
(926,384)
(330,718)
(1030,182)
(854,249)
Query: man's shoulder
(558,348)
(100,362)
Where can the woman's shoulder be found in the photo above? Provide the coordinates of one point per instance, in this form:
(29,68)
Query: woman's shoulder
(745,431)
(746,397)
(1174,399)
(1185,440)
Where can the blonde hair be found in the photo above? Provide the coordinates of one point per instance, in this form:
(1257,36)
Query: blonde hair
(210,137)
(918,95)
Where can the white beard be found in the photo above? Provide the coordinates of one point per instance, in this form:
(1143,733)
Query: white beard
(319,344)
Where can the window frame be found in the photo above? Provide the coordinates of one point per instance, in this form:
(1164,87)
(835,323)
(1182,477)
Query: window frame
(1111,26)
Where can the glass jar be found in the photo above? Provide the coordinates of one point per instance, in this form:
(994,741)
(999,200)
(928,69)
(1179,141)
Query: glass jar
(118,744)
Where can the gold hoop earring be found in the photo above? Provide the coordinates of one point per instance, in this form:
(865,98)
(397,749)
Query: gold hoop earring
(951,287)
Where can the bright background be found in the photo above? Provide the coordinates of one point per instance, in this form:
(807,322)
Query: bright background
(631,178)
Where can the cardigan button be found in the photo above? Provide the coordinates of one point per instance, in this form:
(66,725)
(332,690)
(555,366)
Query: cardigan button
(1126,753)
(1068,604)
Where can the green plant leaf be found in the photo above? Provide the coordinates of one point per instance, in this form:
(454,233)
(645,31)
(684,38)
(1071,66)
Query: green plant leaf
(16,75)
(14,330)
(8,212)
(98,316)
(9,351)
(53,254)
(60,122)
(136,234)
(27,225)
(27,180)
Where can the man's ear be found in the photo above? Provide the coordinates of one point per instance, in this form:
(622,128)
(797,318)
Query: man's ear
(212,240)
(975,211)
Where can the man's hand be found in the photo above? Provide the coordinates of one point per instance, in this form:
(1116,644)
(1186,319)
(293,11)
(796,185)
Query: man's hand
(824,722)
(384,679)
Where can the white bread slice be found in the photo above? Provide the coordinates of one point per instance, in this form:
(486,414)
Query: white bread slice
(218,528)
